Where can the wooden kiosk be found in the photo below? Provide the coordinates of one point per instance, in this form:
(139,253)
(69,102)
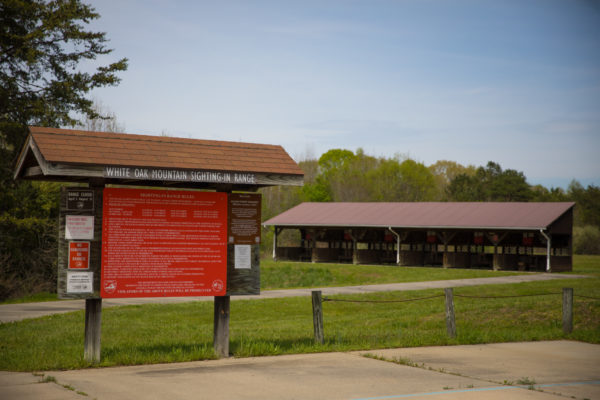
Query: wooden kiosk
(161,240)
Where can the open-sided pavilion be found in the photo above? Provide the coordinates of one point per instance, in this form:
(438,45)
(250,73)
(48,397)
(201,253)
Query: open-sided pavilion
(512,235)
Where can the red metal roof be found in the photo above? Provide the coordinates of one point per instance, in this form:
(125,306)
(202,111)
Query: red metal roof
(102,148)
(467,215)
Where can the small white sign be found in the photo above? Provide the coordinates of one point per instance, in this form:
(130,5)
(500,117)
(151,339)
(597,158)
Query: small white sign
(243,254)
(79,227)
(80,282)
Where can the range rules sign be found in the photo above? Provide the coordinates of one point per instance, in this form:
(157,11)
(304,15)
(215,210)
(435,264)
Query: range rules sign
(167,243)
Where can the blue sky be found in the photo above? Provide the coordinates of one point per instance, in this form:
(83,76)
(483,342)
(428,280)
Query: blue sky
(514,81)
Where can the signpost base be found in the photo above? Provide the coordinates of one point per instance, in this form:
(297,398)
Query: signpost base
(93,323)
(221,326)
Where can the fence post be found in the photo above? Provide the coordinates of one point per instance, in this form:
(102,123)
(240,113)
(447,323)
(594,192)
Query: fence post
(317,304)
(450,321)
(567,318)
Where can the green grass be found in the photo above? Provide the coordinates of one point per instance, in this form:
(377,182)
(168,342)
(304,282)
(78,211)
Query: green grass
(291,275)
(183,332)
(33,298)
(588,265)
(288,275)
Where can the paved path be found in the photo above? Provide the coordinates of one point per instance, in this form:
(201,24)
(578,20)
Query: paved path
(519,371)
(17,312)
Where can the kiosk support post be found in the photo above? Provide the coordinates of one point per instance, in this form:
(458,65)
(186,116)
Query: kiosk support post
(93,324)
(221,326)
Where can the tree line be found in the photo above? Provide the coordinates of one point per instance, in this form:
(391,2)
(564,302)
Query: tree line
(345,176)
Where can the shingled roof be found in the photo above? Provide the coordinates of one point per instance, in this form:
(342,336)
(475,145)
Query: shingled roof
(427,215)
(63,153)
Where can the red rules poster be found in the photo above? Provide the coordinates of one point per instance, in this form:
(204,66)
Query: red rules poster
(163,243)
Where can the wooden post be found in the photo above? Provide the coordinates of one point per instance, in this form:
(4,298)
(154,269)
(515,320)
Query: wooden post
(275,244)
(567,319)
(221,326)
(450,321)
(93,324)
(317,304)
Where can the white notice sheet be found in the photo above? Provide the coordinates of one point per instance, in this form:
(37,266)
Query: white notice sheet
(242,256)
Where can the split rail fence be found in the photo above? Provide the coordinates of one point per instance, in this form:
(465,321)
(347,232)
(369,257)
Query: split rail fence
(318,299)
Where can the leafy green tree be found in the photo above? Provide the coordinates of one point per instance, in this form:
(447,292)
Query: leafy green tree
(587,210)
(542,193)
(350,182)
(465,188)
(418,183)
(42,46)
(509,185)
(490,184)
(329,166)
(444,172)
(385,181)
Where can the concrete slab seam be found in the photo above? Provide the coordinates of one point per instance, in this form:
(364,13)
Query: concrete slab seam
(401,396)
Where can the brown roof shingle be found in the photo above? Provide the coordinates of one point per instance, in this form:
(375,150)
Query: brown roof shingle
(119,149)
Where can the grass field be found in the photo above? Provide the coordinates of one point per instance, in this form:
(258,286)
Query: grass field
(183,332)
(289,275)
(292,275)
(588,265)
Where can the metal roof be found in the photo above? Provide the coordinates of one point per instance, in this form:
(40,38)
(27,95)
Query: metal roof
(430,215)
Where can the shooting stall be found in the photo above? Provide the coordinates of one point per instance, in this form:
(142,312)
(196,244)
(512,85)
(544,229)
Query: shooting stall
(494,235)
(182,232)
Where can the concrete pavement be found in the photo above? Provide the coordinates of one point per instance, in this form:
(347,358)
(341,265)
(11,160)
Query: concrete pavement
(17,312)
(560,369)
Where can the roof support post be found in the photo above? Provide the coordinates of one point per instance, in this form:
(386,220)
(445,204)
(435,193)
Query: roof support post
(354,248)
(276,231)
(445,238)
(548,247)
(497,263)
(397,245)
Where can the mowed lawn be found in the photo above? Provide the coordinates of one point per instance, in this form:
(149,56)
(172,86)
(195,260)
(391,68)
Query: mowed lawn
(289,275)
(183,332)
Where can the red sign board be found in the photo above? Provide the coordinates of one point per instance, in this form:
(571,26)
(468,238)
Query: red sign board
(79,255)
(163,243)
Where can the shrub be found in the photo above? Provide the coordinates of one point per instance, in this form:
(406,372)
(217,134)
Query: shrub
(586,240)
(28,256)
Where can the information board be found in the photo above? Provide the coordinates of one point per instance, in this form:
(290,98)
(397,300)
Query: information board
(163,243)
(244,218)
